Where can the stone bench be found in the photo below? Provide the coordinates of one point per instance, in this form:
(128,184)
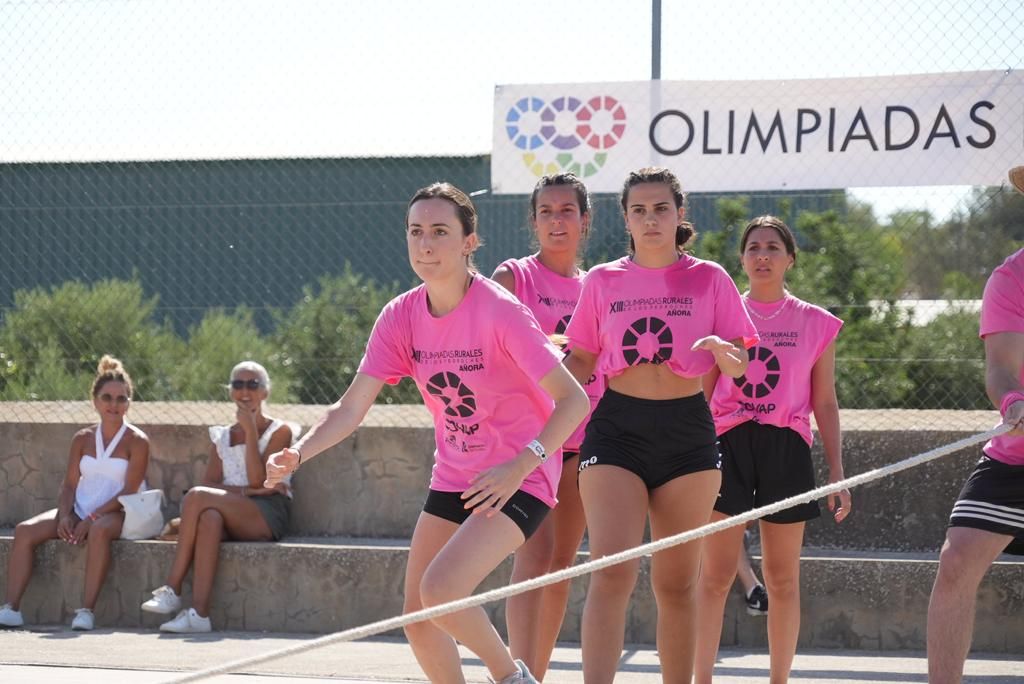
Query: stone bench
(866,601)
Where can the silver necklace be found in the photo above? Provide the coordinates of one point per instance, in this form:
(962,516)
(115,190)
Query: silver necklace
(769,317)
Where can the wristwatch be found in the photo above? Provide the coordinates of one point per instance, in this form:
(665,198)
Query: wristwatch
(537,448)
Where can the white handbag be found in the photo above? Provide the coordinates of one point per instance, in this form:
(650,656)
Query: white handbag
(143,514)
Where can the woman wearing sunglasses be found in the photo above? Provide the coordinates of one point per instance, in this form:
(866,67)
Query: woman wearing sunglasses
(231,503)
(106,460)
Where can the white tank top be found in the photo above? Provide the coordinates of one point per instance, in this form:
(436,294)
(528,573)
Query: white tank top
(233,457)
(102,476)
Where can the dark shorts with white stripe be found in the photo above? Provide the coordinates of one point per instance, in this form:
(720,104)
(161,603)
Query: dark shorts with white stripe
(992,499)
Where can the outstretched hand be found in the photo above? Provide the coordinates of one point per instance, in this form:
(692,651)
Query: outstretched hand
(715,345)
(280,465)
(1015,418)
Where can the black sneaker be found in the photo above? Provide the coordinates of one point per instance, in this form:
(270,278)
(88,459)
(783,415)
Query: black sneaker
(757,601)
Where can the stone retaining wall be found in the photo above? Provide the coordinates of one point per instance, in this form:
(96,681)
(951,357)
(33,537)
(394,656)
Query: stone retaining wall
(373,484)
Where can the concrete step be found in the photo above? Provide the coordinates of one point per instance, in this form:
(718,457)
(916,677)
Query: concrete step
(871,601)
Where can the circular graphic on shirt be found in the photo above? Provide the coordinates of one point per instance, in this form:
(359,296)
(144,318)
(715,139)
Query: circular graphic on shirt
(647,340)
(762,373)
(562,324)
(458,399)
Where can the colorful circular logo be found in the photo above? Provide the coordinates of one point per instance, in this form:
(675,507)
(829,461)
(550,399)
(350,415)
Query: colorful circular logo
(566,134)
(762,373)
(458,399)
(647,340)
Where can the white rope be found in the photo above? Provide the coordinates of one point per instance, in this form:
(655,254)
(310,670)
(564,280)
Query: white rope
(583,568)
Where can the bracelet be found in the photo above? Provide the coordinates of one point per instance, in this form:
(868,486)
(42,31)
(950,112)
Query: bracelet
(1010,398)
(538,449)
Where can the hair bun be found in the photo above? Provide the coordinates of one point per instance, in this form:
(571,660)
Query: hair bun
(109,364)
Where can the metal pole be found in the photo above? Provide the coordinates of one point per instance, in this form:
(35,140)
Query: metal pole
(655,40)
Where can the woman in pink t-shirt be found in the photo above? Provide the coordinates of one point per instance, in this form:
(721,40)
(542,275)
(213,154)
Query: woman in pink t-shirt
(549,284)
(764,428)
(652,323)
(501,402)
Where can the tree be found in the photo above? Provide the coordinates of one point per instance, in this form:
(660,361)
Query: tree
(323,337)
(215,345)
(53,339)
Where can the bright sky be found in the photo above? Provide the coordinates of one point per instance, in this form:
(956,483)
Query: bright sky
(113,79)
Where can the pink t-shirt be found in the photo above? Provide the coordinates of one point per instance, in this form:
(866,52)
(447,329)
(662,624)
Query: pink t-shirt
(630,315)
(552,298)
(478,369)
(1002,310)
(776,389)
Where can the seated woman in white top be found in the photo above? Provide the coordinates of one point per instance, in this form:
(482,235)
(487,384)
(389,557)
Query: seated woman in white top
(106,461)
(232,502)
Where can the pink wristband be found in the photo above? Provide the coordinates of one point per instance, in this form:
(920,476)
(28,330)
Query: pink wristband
(1009,398)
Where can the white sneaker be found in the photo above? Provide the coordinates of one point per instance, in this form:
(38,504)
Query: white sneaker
(187,622)
(10,617)
(164,601)
(84,620)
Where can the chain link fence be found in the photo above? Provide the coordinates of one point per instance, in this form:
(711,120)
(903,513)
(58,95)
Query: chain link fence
(185,185)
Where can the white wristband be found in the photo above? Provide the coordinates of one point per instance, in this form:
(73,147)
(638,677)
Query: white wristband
(537,448)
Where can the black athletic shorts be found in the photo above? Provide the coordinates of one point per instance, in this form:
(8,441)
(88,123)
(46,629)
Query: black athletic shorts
(762,464)
(525,510)
(658,440)
(569,453)
(992,499)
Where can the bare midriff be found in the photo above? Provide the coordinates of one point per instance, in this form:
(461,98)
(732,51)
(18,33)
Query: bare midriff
(648,381)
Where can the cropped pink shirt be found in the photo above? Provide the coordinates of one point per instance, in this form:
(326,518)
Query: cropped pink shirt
(629,315)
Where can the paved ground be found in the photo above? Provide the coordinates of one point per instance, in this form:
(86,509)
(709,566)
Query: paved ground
(135,657)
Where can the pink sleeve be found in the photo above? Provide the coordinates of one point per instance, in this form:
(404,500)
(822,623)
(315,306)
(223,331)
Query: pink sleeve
(830,327)
(516,269)
(386,358)
(526,343)
(1002,305)
(731,318)
(583,332)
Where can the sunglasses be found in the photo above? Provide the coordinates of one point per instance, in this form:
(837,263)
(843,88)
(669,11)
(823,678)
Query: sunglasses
(246,384)
(119,399)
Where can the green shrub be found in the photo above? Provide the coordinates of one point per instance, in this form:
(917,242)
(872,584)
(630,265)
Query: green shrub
(46,378)
(870,361)
(215,345)
(946,364)
(323,337)
(52,340)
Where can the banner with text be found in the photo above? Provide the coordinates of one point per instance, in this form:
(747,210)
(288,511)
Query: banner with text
(720,136)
